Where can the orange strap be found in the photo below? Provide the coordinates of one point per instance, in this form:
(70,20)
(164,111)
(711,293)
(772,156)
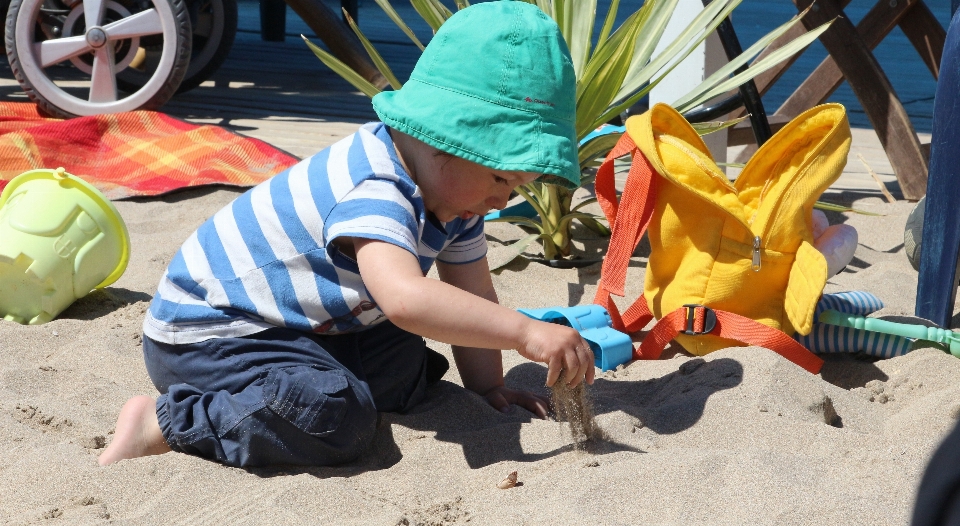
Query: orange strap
(627,225)
(628,220)
(697,319)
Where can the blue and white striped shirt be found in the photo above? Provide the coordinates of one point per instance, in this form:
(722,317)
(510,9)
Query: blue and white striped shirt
(267,259)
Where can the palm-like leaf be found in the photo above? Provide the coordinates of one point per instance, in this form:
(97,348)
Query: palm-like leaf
(721,81)
(606,71)
(597,146)
(660,13)
(433,12)
(392,13)
(373,53)
(609,21)
(705,128)
(611,77)
(511,252)
(575,18)
(342,69)
(681,47)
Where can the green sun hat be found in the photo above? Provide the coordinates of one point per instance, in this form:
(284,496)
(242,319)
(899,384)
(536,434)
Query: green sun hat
(495,86)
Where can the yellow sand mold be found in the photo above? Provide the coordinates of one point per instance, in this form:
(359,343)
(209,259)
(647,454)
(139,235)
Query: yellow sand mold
(60,238)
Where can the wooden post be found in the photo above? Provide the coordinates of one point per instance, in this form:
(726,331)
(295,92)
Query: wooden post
(926,34)
(338,37)
(876,95)
(273,20)
(824,80)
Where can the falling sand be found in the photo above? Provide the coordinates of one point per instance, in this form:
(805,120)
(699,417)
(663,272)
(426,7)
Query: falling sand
(572,405)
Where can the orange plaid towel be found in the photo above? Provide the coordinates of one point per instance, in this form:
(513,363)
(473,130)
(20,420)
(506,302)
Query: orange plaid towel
(132,154)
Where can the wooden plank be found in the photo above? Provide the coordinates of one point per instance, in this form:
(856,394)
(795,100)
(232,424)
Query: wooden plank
(875,93)
(826,78)
(926,34)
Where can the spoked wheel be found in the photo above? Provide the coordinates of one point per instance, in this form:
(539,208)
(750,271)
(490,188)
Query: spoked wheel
(214,25)
(67,56)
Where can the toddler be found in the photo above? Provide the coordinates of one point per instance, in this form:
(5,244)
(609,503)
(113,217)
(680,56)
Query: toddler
(293,316)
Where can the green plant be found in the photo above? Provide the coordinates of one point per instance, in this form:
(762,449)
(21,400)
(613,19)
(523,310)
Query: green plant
(611,77)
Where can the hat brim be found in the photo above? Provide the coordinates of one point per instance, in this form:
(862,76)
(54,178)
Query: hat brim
(483,131)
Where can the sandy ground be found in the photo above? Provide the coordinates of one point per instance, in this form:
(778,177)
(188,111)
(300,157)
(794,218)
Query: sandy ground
(738,437)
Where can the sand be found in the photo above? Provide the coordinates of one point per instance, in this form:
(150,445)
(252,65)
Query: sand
(738,437)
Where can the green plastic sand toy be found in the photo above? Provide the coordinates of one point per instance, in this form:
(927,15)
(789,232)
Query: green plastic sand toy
(60,238)
(945,338)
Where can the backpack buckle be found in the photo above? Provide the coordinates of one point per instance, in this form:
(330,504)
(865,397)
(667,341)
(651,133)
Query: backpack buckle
(709,320)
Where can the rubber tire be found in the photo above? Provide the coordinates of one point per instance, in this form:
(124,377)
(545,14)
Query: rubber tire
(199,70)
(4,7)
(158,99)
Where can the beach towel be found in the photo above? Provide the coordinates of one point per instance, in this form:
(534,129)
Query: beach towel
(729,263)
(139,153)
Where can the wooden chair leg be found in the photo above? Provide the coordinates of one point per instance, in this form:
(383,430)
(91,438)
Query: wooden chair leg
(766,79)
(876,95)
(826,78)
(926,34)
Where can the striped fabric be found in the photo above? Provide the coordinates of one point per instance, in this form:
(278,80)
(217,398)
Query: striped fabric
(852,302)
(267,259)
(826,338)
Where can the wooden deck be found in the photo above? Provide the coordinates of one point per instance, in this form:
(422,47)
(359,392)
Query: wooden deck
(281,93)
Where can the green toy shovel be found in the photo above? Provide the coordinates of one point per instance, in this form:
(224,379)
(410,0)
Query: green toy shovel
(943,337)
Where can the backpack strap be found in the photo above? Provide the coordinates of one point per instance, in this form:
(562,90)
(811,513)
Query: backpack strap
(629,218)
(634,216)
(698,319)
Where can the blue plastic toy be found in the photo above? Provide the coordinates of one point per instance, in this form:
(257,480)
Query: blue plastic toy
(521,209)
(610,346)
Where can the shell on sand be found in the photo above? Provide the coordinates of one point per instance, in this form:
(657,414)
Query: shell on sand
(508,482)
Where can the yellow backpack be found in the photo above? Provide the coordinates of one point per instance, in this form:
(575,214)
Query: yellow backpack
(730,263)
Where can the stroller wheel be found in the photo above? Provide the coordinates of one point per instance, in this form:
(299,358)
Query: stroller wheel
(214,25)
(4,5)
(67,55)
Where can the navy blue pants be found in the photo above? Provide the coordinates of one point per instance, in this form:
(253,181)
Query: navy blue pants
(284,397)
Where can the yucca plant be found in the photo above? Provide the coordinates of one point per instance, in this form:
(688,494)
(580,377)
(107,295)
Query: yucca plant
(611,77)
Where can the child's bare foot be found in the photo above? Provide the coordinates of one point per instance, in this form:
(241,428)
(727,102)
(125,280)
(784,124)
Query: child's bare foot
(137,434)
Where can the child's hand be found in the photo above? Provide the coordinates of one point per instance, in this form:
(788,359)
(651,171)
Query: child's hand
(501,397)
(559,347)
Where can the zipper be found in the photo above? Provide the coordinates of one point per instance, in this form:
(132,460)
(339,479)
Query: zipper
(756,254)
(756,239)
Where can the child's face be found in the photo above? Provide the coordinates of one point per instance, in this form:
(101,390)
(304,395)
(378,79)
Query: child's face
(455,187)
